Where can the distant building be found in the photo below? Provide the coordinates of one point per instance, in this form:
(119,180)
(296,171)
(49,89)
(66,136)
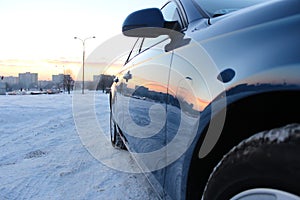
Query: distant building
(2,87)
(11,80)
(58,78)
(46,84)
(63,81)
(96,78)
(28,80)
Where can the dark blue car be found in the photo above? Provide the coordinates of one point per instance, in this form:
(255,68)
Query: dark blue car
(208,100)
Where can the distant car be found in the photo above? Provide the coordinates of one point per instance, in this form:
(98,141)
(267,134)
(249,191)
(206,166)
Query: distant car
(208,101)
(52,91)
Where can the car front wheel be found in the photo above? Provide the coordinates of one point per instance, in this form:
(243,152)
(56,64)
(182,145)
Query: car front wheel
(265,166)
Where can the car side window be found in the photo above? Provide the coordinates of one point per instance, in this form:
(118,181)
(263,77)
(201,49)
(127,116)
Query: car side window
(136,49)
(170,13)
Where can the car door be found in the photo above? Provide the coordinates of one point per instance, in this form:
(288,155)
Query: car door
(145,80)
(188,96)
(144,95)
(193,84)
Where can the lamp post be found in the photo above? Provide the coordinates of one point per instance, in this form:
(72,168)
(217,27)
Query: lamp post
(83,55)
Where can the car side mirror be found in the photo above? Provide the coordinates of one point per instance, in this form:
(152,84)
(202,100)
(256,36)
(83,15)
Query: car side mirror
(139,23)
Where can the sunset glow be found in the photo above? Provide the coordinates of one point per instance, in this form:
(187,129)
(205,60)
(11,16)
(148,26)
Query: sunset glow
(38,36)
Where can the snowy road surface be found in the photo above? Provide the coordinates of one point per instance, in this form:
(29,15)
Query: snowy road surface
(42,156)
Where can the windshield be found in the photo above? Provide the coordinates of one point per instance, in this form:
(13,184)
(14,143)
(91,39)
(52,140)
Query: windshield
(216,8)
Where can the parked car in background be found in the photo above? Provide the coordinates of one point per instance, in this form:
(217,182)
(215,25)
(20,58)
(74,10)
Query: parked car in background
(208,101)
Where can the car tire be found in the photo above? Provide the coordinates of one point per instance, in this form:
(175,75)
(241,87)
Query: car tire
(115,138)
(265,166)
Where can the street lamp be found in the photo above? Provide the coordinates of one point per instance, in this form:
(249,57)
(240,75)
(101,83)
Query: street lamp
(83,55)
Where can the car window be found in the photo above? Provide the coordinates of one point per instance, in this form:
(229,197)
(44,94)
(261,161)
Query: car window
(171,13)
(135,49)
(216,8)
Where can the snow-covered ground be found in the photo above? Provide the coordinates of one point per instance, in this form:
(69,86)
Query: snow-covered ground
(43,157)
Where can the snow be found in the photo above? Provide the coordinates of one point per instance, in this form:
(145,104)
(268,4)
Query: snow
(42,155)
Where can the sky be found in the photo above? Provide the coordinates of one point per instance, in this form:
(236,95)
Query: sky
(38,36)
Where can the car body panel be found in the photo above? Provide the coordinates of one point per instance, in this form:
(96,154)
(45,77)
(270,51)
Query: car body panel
(144,90)
(177,95)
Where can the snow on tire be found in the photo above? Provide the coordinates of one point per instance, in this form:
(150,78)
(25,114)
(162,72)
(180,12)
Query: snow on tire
(268,161)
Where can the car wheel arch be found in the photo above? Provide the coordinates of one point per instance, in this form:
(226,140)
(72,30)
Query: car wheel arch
(236,129)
